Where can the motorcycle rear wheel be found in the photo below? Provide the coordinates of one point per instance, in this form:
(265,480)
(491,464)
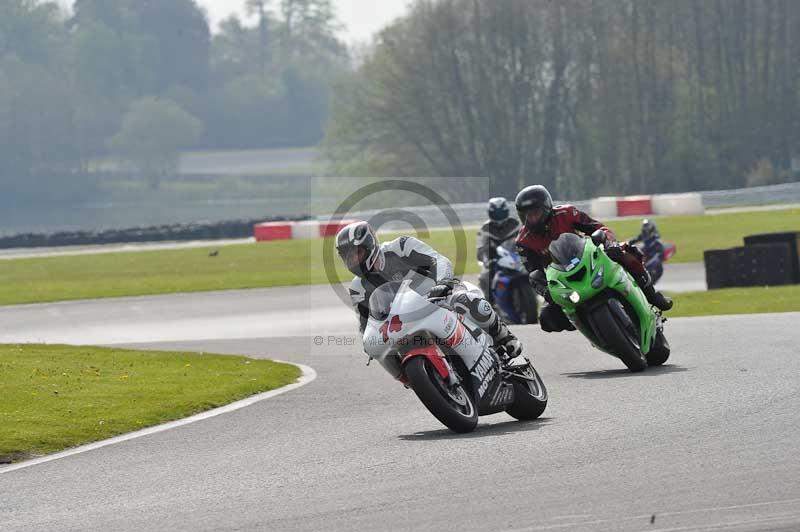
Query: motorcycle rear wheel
(659,352)
(530,397)
(454,408)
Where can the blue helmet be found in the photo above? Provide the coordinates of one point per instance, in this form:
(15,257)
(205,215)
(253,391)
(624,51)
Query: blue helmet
(498,209)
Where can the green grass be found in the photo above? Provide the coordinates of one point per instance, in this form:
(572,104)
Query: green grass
(283,263)
(55,397)
(695,234)
(737,301)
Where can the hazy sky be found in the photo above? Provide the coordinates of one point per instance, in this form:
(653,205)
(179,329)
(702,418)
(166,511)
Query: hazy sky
(362,18)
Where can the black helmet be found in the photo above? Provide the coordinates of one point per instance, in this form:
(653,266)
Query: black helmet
(648,227)
(359,248)
(534,197)
(498,209)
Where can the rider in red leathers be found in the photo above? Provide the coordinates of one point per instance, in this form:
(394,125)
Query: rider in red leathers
(543,223)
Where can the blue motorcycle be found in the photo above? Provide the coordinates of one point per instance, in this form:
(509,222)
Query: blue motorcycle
(513,296)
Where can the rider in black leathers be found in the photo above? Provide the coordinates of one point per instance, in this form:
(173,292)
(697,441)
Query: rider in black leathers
(499,228)
(652,247)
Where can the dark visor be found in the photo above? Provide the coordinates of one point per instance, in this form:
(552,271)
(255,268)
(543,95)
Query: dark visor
(352,255)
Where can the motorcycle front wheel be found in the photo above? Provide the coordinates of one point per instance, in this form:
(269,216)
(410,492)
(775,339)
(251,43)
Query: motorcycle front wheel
(453,406)
(525,302)
(620,334)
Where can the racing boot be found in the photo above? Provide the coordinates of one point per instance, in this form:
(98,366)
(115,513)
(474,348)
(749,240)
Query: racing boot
(654,297)
(508,345)
(481,312)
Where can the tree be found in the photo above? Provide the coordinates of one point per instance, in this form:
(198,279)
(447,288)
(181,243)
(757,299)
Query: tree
(30,30)
(153,133)
(585,96)
(166,40)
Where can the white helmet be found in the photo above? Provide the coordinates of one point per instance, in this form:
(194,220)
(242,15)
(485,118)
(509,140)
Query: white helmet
(359,248)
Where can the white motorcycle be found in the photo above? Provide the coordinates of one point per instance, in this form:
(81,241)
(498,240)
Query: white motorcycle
(447,360)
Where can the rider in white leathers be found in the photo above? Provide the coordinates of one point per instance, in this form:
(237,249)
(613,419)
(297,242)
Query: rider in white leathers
(374,264)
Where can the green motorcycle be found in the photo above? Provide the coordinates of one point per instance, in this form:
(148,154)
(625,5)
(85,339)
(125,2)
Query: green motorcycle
(604,302)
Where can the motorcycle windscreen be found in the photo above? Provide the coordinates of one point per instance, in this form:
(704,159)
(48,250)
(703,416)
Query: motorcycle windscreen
(382,298)
(567,251)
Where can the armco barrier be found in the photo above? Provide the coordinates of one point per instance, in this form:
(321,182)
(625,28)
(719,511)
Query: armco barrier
(634,206)
(273,231)
(678,204)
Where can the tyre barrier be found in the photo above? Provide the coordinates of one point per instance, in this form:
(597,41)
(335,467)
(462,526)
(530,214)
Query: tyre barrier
(661,204)
(272,231)
(634,206)
(764,260)
(161,233)
(791,238)
(297,230)
(604,207)
(678,204)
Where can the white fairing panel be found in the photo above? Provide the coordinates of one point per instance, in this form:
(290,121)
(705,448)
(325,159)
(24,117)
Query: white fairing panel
(412,315)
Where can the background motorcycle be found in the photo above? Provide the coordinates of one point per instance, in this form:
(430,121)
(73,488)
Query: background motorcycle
(446,359)
(604,302)
(513,296)
(654,262)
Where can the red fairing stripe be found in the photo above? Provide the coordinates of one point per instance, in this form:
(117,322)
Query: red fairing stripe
(457,336)
(432,354)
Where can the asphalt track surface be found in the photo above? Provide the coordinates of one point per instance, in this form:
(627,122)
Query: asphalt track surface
(707,442)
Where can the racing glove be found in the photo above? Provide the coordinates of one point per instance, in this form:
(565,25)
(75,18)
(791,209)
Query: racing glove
(599,237)
(443,288)
(539,283)
(615,252)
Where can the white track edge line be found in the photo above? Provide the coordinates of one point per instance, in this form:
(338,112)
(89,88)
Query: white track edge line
(307,376)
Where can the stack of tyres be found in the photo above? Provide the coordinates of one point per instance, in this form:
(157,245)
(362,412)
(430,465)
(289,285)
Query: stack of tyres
(792,239)
(751,265)
(718,265)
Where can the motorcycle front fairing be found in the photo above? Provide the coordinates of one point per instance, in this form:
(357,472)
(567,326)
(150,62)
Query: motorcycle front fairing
(583,281)
(410,325)
(510,270)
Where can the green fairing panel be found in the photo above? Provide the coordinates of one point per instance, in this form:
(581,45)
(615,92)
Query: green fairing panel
(576,263)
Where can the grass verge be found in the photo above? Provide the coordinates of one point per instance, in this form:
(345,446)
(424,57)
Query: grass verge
(737,301)
(295,262)
(55,397)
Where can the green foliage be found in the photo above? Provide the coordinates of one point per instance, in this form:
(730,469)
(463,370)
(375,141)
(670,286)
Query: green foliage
(588,98)
(30,30)
(67,81)
(270,82)
(35,124)
(55,397)
(152,134)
